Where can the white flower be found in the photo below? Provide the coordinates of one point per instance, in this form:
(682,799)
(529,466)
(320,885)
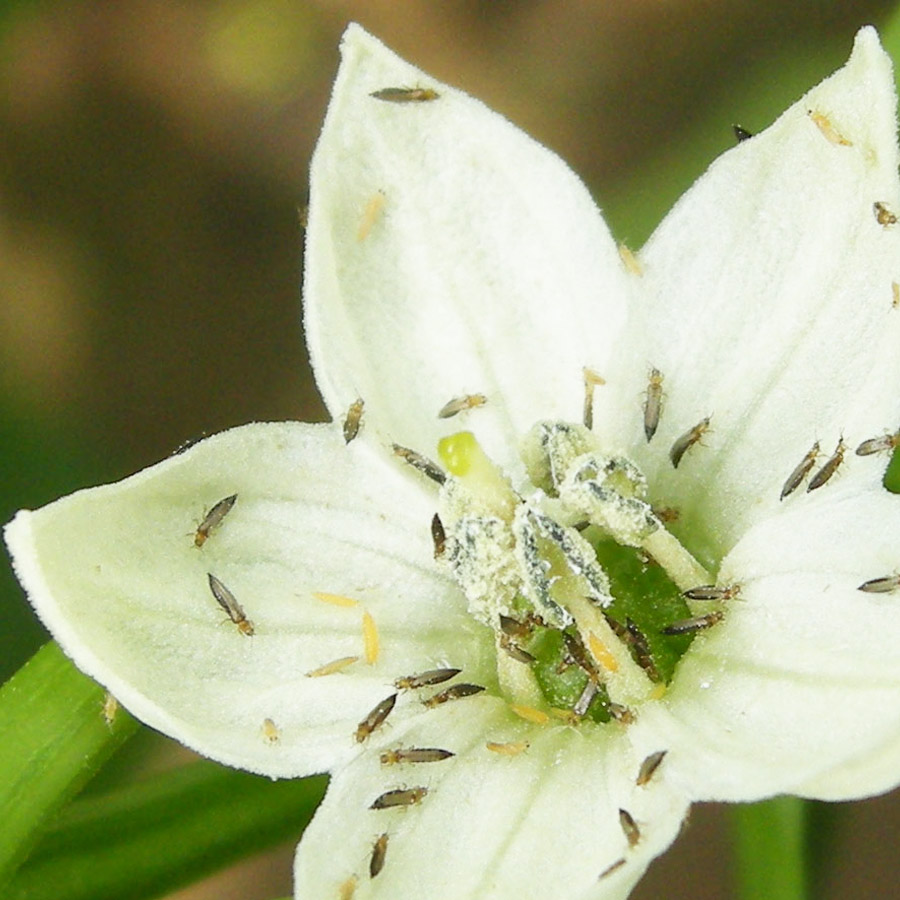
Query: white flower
(449,255)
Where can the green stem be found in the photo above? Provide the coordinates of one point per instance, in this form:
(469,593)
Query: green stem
(145,839)
(55,738)
(770,849)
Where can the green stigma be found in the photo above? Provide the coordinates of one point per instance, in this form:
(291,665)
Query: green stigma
(459,452)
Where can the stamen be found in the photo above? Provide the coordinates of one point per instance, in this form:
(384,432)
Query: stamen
(535,568)
(601,653)
(516,676)
(626,682)
(462,455)
(578,554)
(529,572)
(680,566)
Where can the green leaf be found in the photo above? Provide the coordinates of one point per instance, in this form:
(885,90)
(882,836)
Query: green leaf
(55,738)
(148,838)
(770,849)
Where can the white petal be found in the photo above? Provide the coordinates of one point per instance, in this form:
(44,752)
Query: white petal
(487,269)
(798,690)
(769,305)
(114,574)
(543,823)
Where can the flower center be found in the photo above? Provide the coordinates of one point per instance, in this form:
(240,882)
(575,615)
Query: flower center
(575,573)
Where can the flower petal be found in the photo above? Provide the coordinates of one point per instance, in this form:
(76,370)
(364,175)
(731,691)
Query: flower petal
(115,575)
(541,823)
(486,267)
(798,690)
(769,304)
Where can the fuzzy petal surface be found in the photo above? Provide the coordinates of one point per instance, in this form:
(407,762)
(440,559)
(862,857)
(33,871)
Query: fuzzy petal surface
(768,305)
(115,575)
(485,269)
(798,690)
(542,823)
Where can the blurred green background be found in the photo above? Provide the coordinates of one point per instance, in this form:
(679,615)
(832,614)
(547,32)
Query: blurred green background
(153,156)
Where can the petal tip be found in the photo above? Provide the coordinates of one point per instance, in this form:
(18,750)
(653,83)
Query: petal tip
(354,38)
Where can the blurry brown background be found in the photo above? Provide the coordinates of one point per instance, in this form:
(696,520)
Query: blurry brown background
(153,155)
